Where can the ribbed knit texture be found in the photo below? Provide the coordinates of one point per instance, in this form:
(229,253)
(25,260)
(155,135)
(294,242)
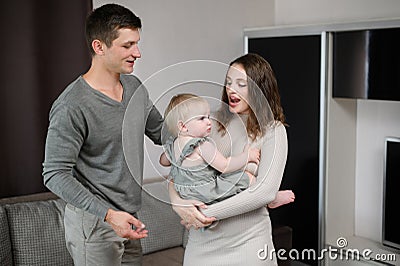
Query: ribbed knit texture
(243,227)
(270,171)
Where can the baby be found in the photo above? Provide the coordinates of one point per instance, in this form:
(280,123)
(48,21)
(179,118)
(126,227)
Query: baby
(199,171)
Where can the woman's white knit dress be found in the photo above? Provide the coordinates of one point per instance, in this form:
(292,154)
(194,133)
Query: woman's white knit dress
(242,234)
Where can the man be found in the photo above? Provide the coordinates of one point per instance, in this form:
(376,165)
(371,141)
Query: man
(84,159)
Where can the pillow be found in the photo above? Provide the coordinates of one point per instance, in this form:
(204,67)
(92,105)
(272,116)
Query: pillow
(37,233)
(185,237)
(5,247)
(165,230)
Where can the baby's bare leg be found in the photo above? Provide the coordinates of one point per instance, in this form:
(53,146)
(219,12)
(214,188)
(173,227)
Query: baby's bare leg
(282,197)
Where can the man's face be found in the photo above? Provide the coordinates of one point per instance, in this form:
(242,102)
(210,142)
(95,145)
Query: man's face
(121,56)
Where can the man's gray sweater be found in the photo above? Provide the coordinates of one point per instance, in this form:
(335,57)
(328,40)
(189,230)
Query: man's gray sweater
(84,155)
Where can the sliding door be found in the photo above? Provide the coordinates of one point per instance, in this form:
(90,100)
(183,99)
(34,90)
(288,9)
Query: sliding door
(296,61)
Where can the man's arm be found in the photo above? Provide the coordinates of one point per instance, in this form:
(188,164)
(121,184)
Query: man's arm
(65,137)
(154,123)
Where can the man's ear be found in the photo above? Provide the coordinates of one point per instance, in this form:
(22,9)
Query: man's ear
(97,47)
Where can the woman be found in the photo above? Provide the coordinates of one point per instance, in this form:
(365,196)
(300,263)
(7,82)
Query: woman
(243,228)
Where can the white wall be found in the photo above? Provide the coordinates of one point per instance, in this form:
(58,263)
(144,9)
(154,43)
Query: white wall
(374,119)
(289,12)
(180,30)
(176,31)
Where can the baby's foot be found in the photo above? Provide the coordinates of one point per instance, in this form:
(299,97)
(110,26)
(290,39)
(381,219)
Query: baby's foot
(282,197)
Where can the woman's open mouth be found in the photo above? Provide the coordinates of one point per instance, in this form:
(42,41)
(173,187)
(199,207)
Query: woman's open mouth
(234,100)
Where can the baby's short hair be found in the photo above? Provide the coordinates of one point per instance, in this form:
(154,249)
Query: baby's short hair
(180,108)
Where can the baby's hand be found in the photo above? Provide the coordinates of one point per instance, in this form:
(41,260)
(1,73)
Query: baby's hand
(254,155)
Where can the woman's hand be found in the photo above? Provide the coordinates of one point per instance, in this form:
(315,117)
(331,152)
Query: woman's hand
(188,210)
(253,154)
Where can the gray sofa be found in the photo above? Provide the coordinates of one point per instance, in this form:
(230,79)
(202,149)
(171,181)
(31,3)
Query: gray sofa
(32,231)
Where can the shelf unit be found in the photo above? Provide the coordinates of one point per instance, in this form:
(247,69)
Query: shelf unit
(332,203)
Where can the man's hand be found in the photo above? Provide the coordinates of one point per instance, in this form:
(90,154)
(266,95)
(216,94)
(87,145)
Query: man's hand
(125,225)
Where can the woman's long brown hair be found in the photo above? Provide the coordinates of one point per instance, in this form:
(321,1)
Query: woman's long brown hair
(263,90)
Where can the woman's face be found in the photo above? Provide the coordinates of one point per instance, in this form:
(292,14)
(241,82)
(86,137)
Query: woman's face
(237,89)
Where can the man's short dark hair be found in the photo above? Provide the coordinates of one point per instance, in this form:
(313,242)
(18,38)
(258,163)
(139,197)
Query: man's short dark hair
(104,22)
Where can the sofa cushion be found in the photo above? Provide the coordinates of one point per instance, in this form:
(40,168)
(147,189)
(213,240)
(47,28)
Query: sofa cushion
(165,230)
(5,247)
(37,233)
(185,238)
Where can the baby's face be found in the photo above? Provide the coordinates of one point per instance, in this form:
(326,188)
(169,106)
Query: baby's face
(199,124)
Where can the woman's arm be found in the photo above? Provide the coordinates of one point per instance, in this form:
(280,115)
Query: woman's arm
(270,172)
